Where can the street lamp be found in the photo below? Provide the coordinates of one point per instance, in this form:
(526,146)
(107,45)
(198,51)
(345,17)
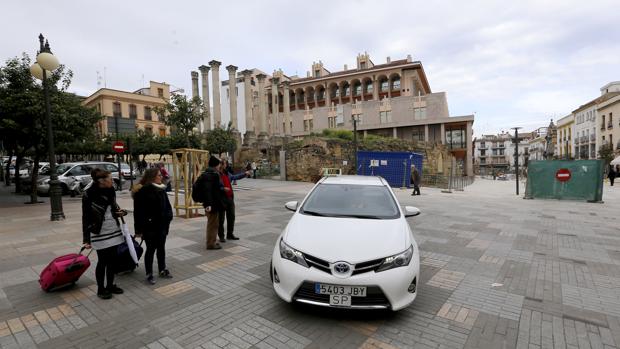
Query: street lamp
(46,63)
(354,119)
(516,140)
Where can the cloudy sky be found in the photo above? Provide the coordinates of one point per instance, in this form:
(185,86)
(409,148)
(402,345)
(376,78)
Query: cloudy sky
(517,63)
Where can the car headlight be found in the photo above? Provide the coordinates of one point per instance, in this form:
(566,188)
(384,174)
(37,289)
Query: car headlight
(398,260)
(287,252)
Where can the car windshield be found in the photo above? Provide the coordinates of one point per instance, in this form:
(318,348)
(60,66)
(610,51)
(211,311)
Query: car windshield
(350,200)
(124,167)
(62,168)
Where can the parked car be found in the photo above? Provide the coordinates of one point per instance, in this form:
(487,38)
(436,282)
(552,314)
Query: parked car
(348,245)
(127,173)
(69,172)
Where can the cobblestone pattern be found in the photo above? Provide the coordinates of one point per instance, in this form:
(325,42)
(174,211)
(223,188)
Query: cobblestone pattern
(496,272)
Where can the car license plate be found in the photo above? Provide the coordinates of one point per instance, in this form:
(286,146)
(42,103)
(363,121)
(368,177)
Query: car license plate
(336,290)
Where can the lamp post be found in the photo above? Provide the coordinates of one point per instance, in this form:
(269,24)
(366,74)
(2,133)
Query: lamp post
(516,141)
(46,63)
(354,119)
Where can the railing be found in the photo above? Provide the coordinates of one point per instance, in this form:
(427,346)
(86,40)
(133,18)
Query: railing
(610,125)
(445,182)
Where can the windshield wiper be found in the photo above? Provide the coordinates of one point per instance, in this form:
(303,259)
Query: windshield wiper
(314,213)
(363,216)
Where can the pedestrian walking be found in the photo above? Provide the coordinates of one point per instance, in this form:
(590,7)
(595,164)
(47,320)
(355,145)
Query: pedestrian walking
(415,177)
(228,215)
(101,229)
(209,189)
(152,217)
(611,175)
(254,168)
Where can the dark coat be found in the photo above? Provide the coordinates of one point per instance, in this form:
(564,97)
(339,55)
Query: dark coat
(415,177)
(213,191)
(95,202)
(152,211)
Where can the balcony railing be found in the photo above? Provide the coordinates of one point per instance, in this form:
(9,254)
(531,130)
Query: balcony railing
(603,126)
(610,125)
(592,138)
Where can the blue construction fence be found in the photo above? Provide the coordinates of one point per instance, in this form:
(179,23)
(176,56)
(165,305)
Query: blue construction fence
(394,167)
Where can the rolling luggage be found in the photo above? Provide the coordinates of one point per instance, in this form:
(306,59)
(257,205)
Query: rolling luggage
(64,271)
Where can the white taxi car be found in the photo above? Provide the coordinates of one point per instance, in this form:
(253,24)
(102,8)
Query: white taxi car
(348,245)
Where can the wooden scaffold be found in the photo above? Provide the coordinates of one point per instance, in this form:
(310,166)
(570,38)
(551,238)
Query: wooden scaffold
(187,165)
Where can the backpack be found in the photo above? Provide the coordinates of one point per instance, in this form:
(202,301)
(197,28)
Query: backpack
(198,190)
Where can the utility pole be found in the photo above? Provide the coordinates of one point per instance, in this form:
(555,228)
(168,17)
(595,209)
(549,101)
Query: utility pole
(516,141)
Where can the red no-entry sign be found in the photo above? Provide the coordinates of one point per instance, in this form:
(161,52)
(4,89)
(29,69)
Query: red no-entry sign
(563,175)
(118,146)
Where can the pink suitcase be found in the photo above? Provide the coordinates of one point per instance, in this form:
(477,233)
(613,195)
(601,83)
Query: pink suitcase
(63,271)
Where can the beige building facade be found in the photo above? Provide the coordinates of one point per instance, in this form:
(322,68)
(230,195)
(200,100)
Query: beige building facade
(609,121)
(565,147)
(392,99)
(128,112)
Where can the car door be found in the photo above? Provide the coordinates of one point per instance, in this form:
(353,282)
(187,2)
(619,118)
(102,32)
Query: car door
(81,173)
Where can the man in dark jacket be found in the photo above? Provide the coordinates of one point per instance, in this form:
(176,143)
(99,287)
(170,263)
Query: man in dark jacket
(415,177)
(212,190)
(226,177)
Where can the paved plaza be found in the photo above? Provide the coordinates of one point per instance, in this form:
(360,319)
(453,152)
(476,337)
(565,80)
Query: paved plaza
(497,271)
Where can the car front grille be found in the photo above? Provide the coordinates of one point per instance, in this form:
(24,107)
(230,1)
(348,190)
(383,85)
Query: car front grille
(374,296)
(358,268)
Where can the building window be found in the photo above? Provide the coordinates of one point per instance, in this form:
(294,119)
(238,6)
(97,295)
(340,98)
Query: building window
(162,132)
(308,125)
(133,111)
(483,152)
(116,109)
(321,95)
(148,130)
(363,65)
(455,138)
(396,84)
(346,91)
(385,117)
(147,114)
(358,90)
(419,113)
(384,86)
(317,73)
(331,122)
(160,92)
(369,87)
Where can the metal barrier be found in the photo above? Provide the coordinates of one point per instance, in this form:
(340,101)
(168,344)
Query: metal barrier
(445,182)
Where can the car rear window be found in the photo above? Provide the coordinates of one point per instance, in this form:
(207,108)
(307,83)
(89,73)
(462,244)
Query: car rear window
(350,200)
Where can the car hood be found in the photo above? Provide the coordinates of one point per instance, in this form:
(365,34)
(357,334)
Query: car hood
(352,240)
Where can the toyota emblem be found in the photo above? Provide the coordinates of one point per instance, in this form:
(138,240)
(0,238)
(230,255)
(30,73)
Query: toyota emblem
(342,268)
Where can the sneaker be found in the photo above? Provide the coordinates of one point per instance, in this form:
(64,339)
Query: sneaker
(104,294)
(165,274)
(115,290)
(150,279)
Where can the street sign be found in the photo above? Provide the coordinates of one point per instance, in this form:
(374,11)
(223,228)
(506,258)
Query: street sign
(562,175)
(118,147)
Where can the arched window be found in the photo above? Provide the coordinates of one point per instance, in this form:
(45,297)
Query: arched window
(383,86)
(396,84)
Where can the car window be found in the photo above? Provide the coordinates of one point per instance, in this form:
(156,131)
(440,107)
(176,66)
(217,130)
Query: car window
(348,200)
(80,170)
(62,168)
(110,167)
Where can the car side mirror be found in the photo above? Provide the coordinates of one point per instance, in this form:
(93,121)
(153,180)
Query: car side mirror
(291,205)
(411,211)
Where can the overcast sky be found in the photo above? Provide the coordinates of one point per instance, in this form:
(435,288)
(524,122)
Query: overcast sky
(517,63)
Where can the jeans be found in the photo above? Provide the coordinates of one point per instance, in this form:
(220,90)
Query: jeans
(155,245)
(212,226)
(104,269)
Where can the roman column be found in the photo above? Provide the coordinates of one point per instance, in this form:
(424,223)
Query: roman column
(274,107)
(217,108)
(262,107)
(247,93)
(232,88)
(204,71)
(194,84)
(286,107)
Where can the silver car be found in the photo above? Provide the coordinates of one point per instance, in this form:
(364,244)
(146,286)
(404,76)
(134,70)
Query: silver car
(70,172)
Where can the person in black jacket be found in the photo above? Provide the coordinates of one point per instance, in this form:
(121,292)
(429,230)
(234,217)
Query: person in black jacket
(152,216)
(101,229)
(212,192)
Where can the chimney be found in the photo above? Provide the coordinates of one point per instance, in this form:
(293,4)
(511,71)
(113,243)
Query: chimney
(307,73)
(389,60)
(346,67)
(409,58)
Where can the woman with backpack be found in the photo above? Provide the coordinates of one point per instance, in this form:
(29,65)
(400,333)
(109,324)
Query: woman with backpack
(152,217)
(101,229)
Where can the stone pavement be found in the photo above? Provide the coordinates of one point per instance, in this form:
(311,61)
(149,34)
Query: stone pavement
(497,271)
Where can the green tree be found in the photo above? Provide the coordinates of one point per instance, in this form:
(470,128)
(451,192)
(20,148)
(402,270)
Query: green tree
(22,113)
(182,115)
(606,153)
(220,140)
